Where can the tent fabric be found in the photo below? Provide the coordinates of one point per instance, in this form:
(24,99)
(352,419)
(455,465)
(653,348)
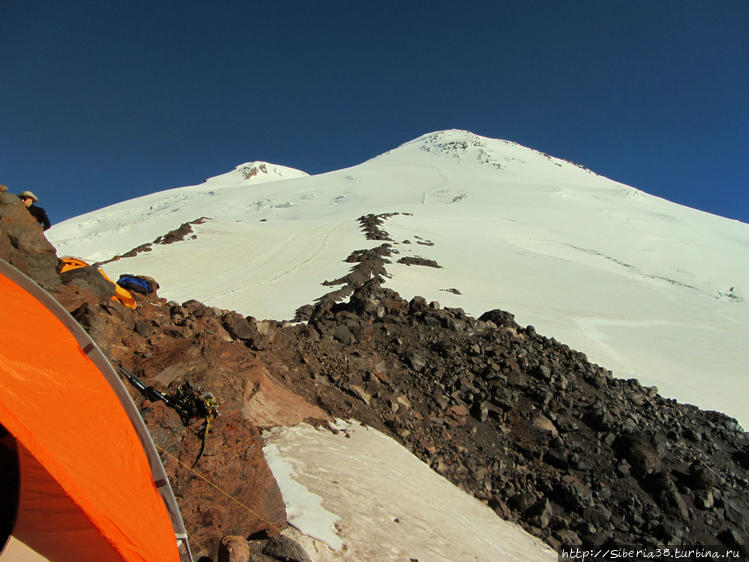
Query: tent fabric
(100,360)
(50,520)
(71,263)
(121,294)
(87,490)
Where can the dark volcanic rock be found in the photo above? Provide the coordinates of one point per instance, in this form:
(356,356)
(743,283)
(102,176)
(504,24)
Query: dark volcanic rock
(540,513)
(570,452)
(417,260)
(238,326)
(176,235)
(666,495)
(286,549)
(89,278)
(640,452)
(500,318)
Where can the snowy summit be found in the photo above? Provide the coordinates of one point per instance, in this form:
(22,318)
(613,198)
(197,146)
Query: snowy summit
(256,172)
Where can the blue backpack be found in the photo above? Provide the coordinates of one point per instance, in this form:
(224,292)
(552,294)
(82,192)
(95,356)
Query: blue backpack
(135,283)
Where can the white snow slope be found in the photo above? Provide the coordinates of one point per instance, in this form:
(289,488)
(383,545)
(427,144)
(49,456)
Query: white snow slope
(645,287)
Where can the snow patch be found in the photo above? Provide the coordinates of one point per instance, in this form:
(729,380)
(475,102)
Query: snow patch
(304,509)
(391,505)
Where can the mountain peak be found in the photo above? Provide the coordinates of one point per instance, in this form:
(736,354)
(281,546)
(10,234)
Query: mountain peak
(257,172)
(462,145)
(465,145)
(451,137)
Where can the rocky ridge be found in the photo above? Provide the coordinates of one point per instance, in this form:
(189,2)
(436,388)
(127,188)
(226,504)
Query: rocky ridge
(520,421)
(176,235)
(530,426)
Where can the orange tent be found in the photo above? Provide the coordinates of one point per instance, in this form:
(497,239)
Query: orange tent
(92,486)
(121,294)
(71,263)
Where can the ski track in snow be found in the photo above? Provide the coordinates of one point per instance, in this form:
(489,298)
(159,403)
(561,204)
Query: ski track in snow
(320,247)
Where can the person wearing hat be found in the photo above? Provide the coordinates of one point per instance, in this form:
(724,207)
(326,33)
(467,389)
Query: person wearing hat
(28,199)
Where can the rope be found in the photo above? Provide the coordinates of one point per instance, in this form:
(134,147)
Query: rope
(232,498)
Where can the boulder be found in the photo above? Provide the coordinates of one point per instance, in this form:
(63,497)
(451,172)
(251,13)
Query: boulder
(280,547)
(237,326)
(23,244)
(640,452)
(233,548)
(500,318)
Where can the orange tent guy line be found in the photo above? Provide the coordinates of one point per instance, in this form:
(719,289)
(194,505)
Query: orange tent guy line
(272,526)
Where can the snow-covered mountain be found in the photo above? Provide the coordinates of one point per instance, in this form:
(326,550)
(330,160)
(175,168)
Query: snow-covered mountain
(643,286)
(254,173)
(648,288)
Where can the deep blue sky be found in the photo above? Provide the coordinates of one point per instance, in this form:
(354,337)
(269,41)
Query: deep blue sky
(102,101)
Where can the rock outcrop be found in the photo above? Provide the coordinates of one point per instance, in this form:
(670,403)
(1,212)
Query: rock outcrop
(531,427)
(23,245)
(228,489)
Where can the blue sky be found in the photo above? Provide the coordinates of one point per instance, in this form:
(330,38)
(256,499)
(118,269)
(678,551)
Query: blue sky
(105,101)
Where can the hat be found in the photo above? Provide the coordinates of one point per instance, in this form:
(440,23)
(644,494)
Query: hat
(28,194)
(3,188)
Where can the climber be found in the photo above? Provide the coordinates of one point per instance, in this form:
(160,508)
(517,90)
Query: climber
(29,199)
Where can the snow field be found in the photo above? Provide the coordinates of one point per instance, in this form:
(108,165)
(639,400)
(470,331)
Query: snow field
(389,504)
